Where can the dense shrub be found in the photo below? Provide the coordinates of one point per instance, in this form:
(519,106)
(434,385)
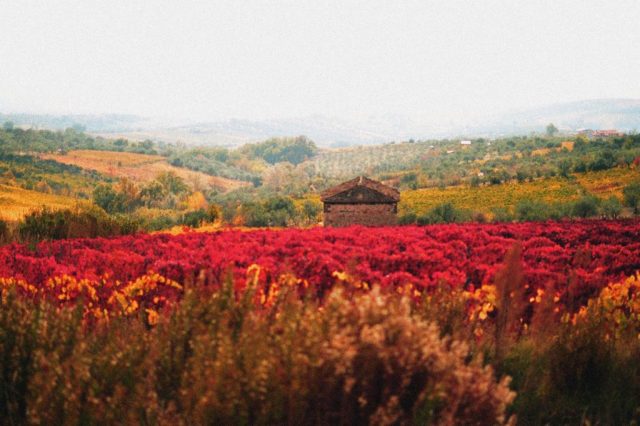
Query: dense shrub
(274,211)
(409,218)
(611,207)
(218,360)
(95,337)
(586,206)
(5,232)
(81,222)
(501,214)
(531,210)
(631,194)
(444,213)
(275,150)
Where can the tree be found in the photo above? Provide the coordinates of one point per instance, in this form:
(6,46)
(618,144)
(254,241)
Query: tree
(604,161)
(172,183)
(530,210)
(8,126)
(631,195)
(310,210)
(551,129)
(108,199)
(128,190)
(444,213)
(586,206)
(276,150)
(564,168)
(152,194)
(611,207)
(501,214)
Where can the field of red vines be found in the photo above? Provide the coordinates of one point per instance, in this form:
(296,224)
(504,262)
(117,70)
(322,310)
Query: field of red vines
(574,258)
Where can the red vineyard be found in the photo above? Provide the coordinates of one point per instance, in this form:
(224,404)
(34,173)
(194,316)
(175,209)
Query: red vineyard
(576,259)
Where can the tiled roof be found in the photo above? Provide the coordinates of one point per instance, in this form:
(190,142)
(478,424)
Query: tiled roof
(383,189)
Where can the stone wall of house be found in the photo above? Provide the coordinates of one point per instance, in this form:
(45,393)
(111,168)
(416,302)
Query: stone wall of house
(360,214)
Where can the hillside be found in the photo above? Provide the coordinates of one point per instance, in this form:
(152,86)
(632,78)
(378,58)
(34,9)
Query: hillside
(16,202)
(623,114)
(139,167)
(602,184)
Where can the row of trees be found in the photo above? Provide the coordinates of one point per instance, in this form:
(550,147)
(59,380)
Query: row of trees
(15,139)
(83,221)
(165,191)
(161,203)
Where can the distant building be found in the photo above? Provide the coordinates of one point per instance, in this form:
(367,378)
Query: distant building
(360,201)
(465,142)
(606,133)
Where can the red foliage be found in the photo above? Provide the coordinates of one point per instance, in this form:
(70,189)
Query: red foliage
(577,257)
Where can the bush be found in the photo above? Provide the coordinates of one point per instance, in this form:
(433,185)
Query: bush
(530,210)
(501,214)
(80,222)
(444,213)
(311,210)
(275,211)
(631,195)
(586,206)
(196,218)
(160,222)
(409,218)
(585,368)
(611,207)
(367,359)
(580,167)
(275,150)
(109,199)
(604,161)
(5,232)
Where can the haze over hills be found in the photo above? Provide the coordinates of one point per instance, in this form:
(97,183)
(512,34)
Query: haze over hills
(622,114)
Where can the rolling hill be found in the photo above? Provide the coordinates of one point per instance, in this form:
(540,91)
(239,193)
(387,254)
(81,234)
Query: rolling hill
(622,114)
(139,167)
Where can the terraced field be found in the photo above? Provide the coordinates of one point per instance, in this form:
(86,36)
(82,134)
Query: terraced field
(16,202)
(140,167)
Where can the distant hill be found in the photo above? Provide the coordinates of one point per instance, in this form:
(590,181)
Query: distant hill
(92,123)
(622,114)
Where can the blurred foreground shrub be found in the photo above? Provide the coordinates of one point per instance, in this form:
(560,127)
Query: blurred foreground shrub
(225,359)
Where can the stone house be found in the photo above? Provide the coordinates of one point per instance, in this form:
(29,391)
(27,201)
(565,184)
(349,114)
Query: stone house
(360,201)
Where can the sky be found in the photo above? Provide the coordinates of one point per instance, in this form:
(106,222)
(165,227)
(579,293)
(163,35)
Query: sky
(215,60)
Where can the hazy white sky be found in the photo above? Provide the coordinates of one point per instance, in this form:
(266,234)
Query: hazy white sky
(212,60)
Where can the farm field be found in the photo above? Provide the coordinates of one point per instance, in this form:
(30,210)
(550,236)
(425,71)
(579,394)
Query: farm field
(607,182)
(575,259)
(484,198)
(16,202)
(139,167)
(489,322)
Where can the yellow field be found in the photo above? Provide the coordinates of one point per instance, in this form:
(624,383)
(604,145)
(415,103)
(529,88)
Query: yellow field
(16,202)
(140,167)
(482,199)
(608,182)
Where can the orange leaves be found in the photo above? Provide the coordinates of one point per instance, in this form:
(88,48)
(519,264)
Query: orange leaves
(102,299)
(616,308)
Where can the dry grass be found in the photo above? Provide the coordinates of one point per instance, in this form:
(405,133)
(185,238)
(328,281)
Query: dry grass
(16,202)
(140,167)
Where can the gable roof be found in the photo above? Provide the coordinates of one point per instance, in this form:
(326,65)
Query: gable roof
(361,181)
